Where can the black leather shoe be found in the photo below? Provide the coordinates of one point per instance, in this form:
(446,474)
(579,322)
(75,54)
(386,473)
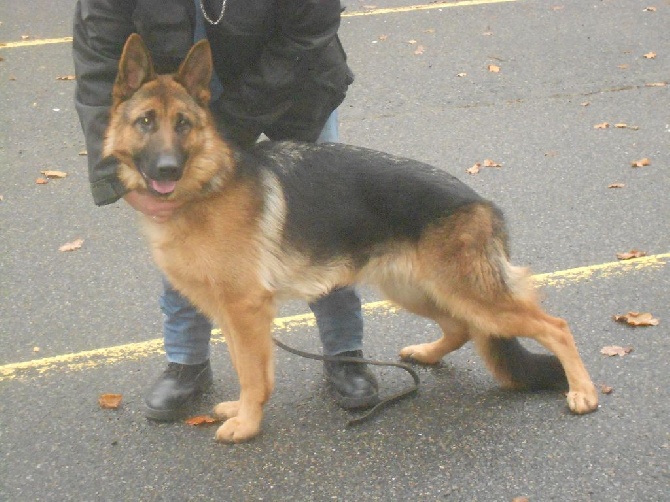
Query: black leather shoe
(174,391)
(352,385)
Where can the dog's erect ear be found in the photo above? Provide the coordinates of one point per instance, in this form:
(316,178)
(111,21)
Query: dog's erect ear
(135,68)
(195,72)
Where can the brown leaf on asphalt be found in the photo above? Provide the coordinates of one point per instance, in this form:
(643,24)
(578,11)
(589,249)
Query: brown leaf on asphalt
(493,68)
(463,74)
(650,55)
(603,125)
(383,37)
(54,174)
(83,152)
(649,9)
(491,163)
(71,246)
(616,185)
(637,319)
(474,169)
(606,389)
(633,253)
(656,84)
(615,350)
(201,420)
(641,163)
(520,499)
(66,77)
(41,181)
(110,401)
(419,50)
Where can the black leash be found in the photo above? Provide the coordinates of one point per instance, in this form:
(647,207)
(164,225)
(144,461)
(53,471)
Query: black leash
(361,360)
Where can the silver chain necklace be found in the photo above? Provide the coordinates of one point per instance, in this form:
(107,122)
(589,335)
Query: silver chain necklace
(218,20)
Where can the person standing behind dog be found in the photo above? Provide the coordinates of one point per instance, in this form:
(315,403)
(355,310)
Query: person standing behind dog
(280,70)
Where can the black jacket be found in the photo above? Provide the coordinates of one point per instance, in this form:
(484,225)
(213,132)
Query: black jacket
(281,64)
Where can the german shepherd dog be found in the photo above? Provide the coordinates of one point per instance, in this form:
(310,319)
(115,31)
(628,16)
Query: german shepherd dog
(287,219)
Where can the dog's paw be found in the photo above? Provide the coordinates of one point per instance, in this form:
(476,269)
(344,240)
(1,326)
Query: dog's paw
(235,430)
(227,409)
(582,402)
(420,354)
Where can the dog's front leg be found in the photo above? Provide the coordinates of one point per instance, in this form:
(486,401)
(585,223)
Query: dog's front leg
(248,324)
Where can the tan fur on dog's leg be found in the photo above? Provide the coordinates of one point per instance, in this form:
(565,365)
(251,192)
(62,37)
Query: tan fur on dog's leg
(454,336)
(249,324)
(527,320)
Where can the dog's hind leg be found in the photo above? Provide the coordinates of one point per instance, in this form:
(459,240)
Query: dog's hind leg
(454,336)
(523,318)
(415,300)
(249,323)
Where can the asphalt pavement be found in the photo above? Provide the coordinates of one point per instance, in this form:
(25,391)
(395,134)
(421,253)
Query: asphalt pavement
(75,325)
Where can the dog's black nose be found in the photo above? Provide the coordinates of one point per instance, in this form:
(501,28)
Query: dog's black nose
(167,168)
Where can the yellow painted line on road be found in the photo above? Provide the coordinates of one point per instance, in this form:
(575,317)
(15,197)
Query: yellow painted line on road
(107,356)
(357,13)
(430,6)
(37,41)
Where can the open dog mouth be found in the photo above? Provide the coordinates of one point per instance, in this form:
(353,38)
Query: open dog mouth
(162,187)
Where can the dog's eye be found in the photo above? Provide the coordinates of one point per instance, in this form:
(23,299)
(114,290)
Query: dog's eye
(183,125)
(146,121)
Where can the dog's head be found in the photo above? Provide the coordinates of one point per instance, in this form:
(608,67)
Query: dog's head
(160,128)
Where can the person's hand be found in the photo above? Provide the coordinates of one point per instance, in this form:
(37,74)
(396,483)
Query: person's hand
(159,210)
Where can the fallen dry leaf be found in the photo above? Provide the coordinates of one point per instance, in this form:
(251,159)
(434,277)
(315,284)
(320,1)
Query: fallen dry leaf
(66,77)
(641,163)
(520,499)
(419,50)
(606,389)
(463,74)
(586,103)
(656,84)
(83,152)
(54,174)
(620,125)
(71,246)
(411,41)
(603,125)
(616,185)
(110,401)
(650,55)
(383,37)
(633,253)
(474,169)
(623,66)
(649,9)
(615,350)
(637,319)
(36,349)
(41,181)
(491,163)
(493,68)
(25,37)
(201,420)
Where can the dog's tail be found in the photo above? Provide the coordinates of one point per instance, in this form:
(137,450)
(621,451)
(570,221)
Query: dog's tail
(517,368)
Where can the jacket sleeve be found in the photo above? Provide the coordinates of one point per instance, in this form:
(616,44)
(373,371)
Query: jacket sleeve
(297,60)
(99,32)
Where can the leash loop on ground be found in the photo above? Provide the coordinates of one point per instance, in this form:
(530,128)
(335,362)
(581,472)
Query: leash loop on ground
(361,360)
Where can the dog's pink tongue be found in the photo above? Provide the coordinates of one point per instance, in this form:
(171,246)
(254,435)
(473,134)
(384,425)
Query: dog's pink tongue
(163,186)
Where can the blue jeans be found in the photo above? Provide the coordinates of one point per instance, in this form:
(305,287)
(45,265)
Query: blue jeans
(187,333)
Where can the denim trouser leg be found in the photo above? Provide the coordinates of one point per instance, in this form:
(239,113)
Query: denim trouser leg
(186,332)
(338,314)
